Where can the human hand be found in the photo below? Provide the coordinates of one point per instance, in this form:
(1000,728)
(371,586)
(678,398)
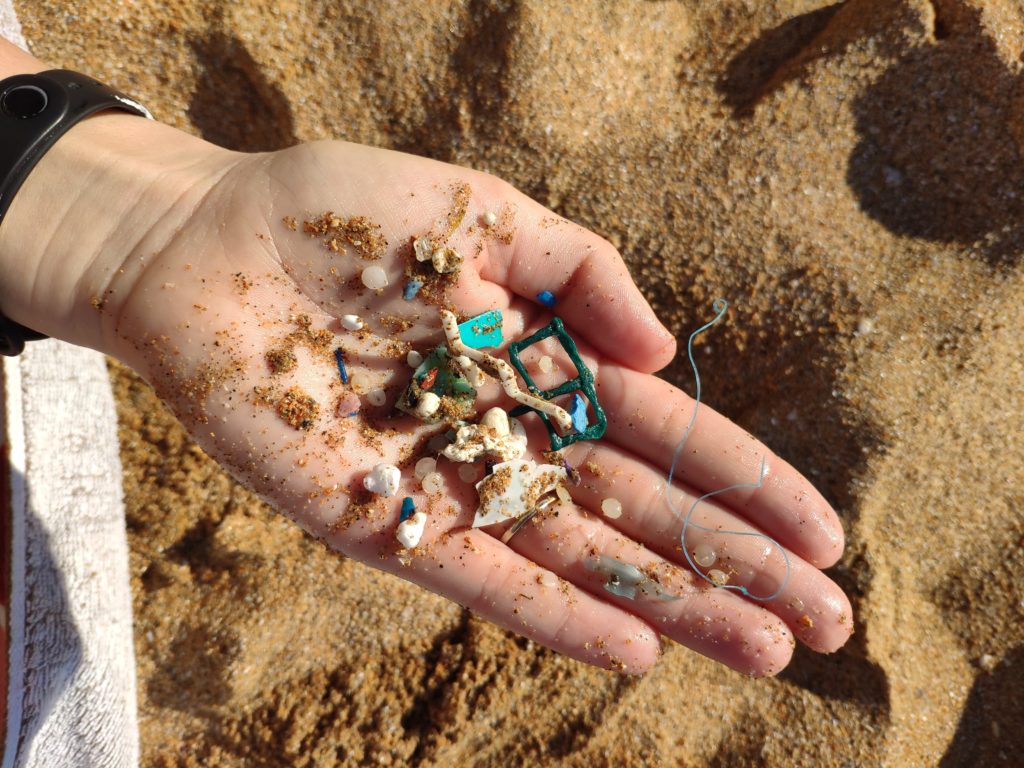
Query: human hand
(201,279)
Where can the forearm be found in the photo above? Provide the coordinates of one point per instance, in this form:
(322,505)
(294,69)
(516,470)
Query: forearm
(111,189)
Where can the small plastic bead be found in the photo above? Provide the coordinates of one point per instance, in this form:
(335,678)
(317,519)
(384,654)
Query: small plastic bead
(547,579)
(351,322)
(704,555)
(424,467)
(563,494)
(414,359)
(376,397)
(546,364)
(490,218)
(612,508)
(718,578)
(469,473)
(375,278)
(433,483)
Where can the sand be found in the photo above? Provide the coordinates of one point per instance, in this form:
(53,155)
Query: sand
(848,175)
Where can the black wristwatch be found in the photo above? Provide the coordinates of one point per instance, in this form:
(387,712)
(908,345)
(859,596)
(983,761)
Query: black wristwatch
(35,111)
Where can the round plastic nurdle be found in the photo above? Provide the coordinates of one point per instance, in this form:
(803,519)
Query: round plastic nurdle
(704,555)
(414,359)
(612,508)
(718,578)
(433,482)
(360,382)
(469,473)
(376,397)
(548,579)
(375,278)
(351,322)
(424,467)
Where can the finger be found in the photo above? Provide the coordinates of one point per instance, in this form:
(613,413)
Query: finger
(712,622)
(810,603)
(479,572)
(648,417)
(593,289)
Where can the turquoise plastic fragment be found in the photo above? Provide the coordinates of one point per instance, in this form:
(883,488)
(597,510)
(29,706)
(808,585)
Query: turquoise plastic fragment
(408,509)
(578,412)
(584,382)
(481,331)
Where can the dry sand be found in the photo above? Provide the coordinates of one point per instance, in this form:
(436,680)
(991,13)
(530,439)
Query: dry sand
(848,175)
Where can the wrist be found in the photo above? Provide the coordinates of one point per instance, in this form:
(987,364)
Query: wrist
(109,193)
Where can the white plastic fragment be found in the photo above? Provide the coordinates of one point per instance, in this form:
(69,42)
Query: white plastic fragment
(514,488)
(546,364)
(351,322)
(475,440)
(427,405)
(423,249)
(563,495)
(517,430)
(375,278)
(414,359)
(547,579)
(490,218)
(446,260)
(383,480)
(376,396)
(410,531)
(359,382)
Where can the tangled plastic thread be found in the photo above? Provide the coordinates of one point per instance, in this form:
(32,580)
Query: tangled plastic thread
(719,306)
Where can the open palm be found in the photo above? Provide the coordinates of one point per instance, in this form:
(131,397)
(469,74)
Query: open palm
(235,318)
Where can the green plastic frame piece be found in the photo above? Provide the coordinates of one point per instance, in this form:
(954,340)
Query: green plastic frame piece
(584,382)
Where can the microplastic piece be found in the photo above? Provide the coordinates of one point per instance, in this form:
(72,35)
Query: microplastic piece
(339,358)
(578,412)
(411,289)
(437,374)
(513,489)
(408,509)
(410,531)
(351,322)
(383,480)
(584,382)
(375,278)
(482,331)
(625,580)
(547,298)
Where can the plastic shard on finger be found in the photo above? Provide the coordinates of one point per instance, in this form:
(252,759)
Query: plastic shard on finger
(626,580)
(584,382)
(482,331)
(514,488)
(437,389)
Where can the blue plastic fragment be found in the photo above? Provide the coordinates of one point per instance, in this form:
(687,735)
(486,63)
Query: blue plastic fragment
(481,331)
(408,509)
(411,289)
(547,298)
(578,412)
(339,358)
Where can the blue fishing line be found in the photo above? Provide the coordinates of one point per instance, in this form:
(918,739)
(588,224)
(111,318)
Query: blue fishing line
(719,306)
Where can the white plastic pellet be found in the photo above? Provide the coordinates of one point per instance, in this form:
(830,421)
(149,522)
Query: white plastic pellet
(490,218)
(433,483)
(410,531)
(718,578)
(547,579)
(612,508)
(360,382)
(351,322)
(383,480)
(414,359)
(424,467)
(546,364)
(375,278)
(427,405)
(376,397)
(704,555)
(563,494)
(469,473)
